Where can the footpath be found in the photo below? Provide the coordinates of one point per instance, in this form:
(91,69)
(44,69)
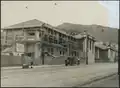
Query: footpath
(71,76)
(20,67)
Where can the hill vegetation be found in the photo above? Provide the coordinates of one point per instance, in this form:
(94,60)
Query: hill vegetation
(102,33)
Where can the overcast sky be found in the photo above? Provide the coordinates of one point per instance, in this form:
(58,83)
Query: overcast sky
(113,9)
(13,12)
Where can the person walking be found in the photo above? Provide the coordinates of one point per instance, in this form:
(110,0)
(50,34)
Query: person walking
(66,63)
(78,61)
(31,64)
(43,56)
(31,61)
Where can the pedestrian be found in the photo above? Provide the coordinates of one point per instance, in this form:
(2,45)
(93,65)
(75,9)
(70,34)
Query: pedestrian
(71,61)
(31,64)
(43,55)
(78,61)
(66,64)
(68,60)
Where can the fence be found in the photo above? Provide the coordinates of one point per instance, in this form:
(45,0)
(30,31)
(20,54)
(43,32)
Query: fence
(7,60)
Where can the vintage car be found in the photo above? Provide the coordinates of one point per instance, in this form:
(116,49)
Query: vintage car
(72,60)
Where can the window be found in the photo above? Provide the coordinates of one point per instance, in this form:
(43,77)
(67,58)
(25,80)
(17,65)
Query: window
(60,52)
(48,30)
(51,31)
(57,49)
(48,49)
(71,38)
(90,44)
(52,51)
(40,34)
(60,40)
(69,46)
(46,38)
(59,34)
(93,47)
(31,33)
(87,43)
(75,53)
(111,53)
(62,36)
(66,50)
(9,37)
(55,33)
(72,53)
(55,41)
(63,53)
(74,39)
(50,39)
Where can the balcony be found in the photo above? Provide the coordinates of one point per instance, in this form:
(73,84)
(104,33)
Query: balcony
(27,39)
(19,38)
(30,38)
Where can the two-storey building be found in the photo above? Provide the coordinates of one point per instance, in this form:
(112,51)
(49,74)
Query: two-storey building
(33,37)
(86,47)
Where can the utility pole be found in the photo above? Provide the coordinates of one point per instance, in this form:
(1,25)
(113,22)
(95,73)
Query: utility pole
(87,49)
(86,53)
(119,54)
(42,54)
(42,47)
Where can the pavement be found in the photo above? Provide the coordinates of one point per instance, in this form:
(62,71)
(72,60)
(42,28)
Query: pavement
(55,76)
(19,67)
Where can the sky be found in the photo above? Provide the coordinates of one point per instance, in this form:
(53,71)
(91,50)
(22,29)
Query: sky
(113,8)
(58,12)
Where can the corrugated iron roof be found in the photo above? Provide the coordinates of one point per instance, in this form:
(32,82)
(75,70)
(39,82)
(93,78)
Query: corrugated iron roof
(82,35)
(101,46)
(104,46)
(113,48)
(79,36)
(56,29)
(30,23)
(34,23)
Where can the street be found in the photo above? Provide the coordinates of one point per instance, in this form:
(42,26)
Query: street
(108,82)
(56,76)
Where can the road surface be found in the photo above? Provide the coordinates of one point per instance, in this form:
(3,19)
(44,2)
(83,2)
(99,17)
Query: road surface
(107,82)
(59,76)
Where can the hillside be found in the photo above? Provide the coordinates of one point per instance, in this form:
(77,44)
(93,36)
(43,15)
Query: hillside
(105,34)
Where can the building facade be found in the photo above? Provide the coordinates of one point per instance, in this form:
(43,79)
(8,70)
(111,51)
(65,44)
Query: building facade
(86,46)
(105,52)
(34,36)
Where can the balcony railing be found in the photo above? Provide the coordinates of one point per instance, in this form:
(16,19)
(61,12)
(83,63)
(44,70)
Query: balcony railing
(19,38)
(26,38)
(30,38)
